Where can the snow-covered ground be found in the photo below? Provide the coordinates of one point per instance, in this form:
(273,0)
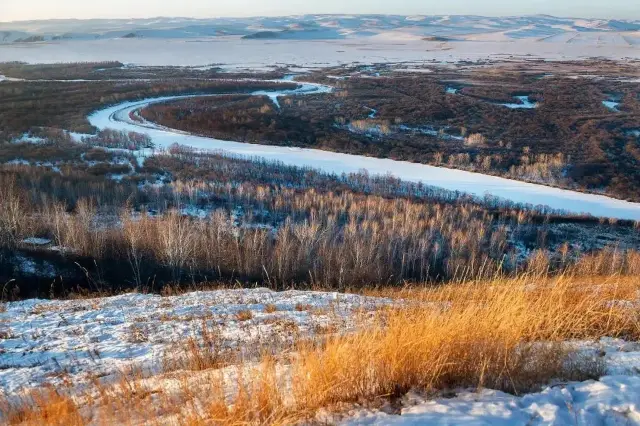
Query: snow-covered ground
(75,341)
(612,400)
(118,117)
(524,103)
(47,341)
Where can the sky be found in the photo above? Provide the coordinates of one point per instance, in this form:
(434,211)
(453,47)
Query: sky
(17,10)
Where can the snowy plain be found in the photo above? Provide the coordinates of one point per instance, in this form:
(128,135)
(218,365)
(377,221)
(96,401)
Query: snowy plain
(118,117)
(234,52)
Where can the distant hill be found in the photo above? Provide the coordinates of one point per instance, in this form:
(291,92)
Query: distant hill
(263,35)
(317,27)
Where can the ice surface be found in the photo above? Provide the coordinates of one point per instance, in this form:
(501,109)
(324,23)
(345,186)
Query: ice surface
(233,52)
(523,104)
(612,105)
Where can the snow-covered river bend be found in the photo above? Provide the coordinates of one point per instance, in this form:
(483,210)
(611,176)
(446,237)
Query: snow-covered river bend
(117,117)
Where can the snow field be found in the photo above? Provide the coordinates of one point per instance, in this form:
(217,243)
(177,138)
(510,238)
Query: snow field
(51,341)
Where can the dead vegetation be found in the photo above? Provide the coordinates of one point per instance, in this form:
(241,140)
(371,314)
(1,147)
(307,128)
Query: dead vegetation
(259,222)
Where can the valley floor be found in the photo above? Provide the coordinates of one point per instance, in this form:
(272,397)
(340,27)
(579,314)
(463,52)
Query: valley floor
(234,52)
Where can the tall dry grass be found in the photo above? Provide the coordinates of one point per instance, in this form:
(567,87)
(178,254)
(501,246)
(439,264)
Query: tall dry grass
(43,407)
(505,334)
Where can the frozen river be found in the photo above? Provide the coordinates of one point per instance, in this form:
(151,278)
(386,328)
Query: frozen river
(117,117)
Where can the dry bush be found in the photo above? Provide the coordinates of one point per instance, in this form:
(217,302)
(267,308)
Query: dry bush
(244,315)
(204,352)
(301,307)
(137,334)
(270,308)
(14,223)
(43,407)
(475,139)
(380,127)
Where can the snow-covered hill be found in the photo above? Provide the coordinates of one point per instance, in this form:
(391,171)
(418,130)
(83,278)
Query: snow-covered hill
(323,27)
(40,339)
(74,342)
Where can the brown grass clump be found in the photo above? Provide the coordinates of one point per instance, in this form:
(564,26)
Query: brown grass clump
(44,407)
(244,315)
(200,353)
(270,308)
(301,307)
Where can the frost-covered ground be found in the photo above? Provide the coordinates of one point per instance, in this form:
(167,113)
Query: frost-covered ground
(118,117)
(50,341)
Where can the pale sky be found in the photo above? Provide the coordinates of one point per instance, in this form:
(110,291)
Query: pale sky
(14,10)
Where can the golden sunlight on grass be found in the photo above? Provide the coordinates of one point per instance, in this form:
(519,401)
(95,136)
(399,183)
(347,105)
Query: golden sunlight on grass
(504,334)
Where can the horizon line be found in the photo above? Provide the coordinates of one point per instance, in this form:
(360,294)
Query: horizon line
(308,14)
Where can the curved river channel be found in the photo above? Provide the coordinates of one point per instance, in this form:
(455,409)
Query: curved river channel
(118,117)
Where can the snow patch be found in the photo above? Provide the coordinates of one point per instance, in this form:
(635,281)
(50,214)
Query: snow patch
(37,241)
(523,104)
(96,336)
(613,400)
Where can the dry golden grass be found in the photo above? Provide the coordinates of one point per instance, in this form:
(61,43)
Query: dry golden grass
(244,315)
(504,334)
(301,307)
(205,352)
(270,308)
(44,407)
(256,401)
